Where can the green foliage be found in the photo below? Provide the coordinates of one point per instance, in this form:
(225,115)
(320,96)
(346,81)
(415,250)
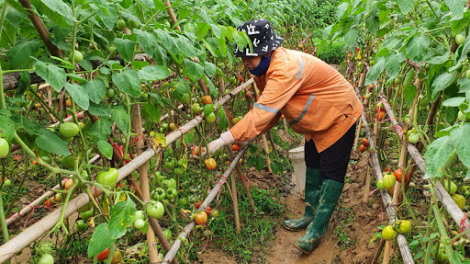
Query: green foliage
(333,54)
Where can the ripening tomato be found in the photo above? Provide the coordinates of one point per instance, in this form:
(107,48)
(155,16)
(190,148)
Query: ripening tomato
(380,115)
(208,210)
(210,163)
(200,218)
(68,103)
(206,99)
(459,200)
(389,180)
(103,255)
(195,150)
(365,142)
(404,226)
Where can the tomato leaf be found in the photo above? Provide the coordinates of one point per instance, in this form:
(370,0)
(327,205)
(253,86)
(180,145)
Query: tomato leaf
(453,102)
(417,48)
(52,74)
(99,110)
(153,73)
(106,149)
(213,91)
(7,127)
(22,52)
(351,37)
(456,7)
(393,64)
(409,92)
(58,11)
(186,48)
(460,138)
(78,94)
(23,83)
(192,70)
(120,117)
(406,5)
(374,72)
(372,24)
(122,216)
(222,122)
(100,240)
(437,154)
(101,128)
(151,112)
(443,81)
(96,90)
(52,143)
(127,81)
(125,48)
(210,68)
(149,43)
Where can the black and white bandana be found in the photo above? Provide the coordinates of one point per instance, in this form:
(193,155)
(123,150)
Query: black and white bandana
(262,36)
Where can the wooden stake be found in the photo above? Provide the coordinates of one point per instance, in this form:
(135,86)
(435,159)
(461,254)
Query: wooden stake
(242,178)
(387,253)
(144,184)
(365,198)
(378,252)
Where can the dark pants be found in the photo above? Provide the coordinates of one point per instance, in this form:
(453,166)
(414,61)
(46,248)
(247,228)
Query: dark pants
(333,161)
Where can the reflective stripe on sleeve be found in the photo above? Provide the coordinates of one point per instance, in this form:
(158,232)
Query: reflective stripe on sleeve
(266,108)
(301,67)
(307,106)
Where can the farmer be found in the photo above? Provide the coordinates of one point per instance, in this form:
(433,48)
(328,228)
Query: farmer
(317,102)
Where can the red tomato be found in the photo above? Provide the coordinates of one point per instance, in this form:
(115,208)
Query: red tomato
(235,147)
(386,169)
(399,173)
(34,162)
(195,150)
(201,218)
(240,78)
(208,210)
(197,204)
(103,255)
(365,142)
(362,148)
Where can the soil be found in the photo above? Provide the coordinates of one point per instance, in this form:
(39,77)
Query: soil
(349,234)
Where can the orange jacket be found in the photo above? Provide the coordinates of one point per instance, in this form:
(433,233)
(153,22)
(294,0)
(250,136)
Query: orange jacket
(315,99)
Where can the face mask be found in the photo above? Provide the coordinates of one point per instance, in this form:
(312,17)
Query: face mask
(262,67)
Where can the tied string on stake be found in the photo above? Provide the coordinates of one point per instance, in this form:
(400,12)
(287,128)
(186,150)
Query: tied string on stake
(244,178)
(462,226)
(223,179)
(391,248)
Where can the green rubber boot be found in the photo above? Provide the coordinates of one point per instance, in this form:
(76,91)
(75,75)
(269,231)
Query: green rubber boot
(330,193)
(313,183)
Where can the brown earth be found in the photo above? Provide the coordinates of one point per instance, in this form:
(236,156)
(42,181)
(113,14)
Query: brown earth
(349,234)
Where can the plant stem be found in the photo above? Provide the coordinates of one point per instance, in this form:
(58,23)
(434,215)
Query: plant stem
(2,19)
(45,104)
(440,224)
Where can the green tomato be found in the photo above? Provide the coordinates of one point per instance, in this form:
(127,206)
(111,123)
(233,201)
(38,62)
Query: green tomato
(215,213)
(178,171)
(78,56)
(208,109)
(108,178)
(81,225)
(459,200)
(158,194)
(453,187)
(467,74)
(85,208)
(380,185)
(413,138)
(186,98)
(170,164)
(167,233)
(389,180)
(442,256)
(46,259)
(110,93)
(68,162)
(404,226)
(459,39)
(4,148)
(170,184)
(69,129)
(210,118)
(171,193)
(7,183)
(233,80)
(44,248)
(158,178)
(120,24)
(388,233)
(184,201)
(139,214)
(87,214)
(132,23)
(155,209)
(139,223)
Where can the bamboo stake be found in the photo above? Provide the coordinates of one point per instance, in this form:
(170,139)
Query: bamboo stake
(187,229)
(143,179)
(365,199)
(379,250)
(387,254)
(22,240)
(243,179)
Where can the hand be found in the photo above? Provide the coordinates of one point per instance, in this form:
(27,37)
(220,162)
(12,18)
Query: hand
(225,139)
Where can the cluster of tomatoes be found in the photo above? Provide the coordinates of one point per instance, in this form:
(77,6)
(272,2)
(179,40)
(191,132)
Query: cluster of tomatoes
(380,111)
(200,217)
(389,179)
(451,188)
(412,136)
(364,146)
(44,251)
(401,226)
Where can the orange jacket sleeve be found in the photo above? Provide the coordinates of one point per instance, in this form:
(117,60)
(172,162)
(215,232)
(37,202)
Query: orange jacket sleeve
(279,89)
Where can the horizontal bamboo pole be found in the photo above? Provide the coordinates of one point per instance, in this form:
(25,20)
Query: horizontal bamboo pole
(34,232)
(187,229)
(449,204)
(387,201)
